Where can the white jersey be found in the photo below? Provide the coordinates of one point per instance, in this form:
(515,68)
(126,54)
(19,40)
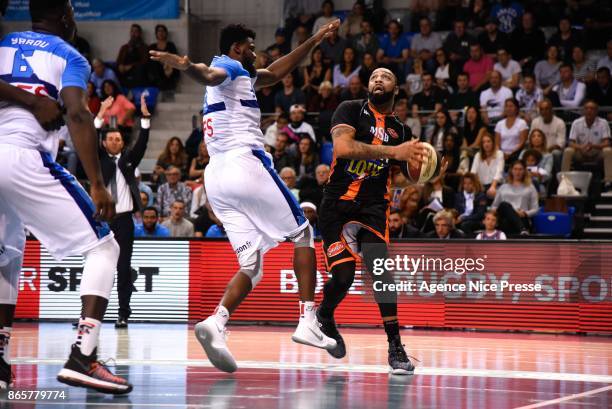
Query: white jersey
(231,112)
(42,64)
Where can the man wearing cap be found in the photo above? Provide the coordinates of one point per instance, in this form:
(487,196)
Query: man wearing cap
(310,211)
(297,123)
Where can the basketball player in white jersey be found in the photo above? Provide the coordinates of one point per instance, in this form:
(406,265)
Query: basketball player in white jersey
(39,194)
(247,195)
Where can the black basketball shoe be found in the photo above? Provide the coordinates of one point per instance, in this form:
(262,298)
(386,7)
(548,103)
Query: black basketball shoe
(398,360)
(328,327)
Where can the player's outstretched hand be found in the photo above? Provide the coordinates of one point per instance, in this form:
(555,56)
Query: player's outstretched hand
(326,30)
(48,113)
(105,207)
(173,60)
(412,152)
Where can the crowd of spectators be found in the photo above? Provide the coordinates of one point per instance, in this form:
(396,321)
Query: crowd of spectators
(510,93)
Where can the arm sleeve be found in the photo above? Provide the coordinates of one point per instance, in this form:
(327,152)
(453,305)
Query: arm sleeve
(140,147)
(476,163)
(498,198)
(533,202)
(499,163)
(77,71)
(572,134)
(347,114)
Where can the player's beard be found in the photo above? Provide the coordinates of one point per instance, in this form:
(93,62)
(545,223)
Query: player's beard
(250,67)
(380,99)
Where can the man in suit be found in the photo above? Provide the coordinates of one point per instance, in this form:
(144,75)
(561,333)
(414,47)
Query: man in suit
(118,164)
(471,204)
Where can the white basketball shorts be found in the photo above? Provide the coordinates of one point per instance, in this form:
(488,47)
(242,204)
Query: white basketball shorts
(250,199)
(48,200)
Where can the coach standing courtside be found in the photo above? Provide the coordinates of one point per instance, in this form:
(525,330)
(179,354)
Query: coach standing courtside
(118,166)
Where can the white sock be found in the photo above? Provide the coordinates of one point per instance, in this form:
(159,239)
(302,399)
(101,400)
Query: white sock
(307,310)
(222,315)
(5,337)
(87,335)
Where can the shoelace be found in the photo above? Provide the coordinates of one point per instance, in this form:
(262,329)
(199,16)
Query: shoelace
(399,350)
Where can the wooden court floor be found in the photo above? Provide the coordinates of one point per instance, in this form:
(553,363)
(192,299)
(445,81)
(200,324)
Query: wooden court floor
(458,369)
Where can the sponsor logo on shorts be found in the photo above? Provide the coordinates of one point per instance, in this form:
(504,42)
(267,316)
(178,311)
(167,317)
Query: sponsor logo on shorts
(334,249)
(242,248)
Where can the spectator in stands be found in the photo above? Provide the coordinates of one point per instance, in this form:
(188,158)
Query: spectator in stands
(144,188)
(464,96)
(529,96)
(491,40)
(297,124)
(315,73)
(584,69)
(132,60)
(566,38)
(332,47)
(492,99)
(547,71)
(355,90)
(283,157)
(589,141)
(508,13)
(325,100)
(274,53)
(457,43)
(307,157)
(488,165)
(478,14)
(412,122)
(446,71)
(606,61)
(198,164)
(327,11)
(399,229)
(282,120)
(311,190)
(100,73)
(116,105)
(490,231)
(444,223)
(430,99)
(542,169)
(347,69)
(553,128)
(436,196)
(600,91)
(425,43)
(93,101)
(456,162)
(443,126)
(516,201)
(176,223)
(310,212)
(511,132)
(199,212)
(82,46)
(570,91)
(470,203)
(394,49)
(289,95)
(150,226)
(171,191)
(351,26)
(472,131)
(280,42)
(528,42)
(266,99)
(216,230)
(478,68)
(163,76)
(172,155)
(300,35)
(289,177)
(509,69)
(192,145)
(366,41)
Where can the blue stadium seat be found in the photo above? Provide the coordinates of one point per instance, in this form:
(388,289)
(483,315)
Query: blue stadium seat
(554,223)
(327,153)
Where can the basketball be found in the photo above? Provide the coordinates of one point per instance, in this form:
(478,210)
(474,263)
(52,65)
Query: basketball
(429,168)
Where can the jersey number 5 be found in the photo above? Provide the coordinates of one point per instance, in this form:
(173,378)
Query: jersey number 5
(208,128)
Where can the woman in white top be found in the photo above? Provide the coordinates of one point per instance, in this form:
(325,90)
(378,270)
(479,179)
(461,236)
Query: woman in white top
(511,132)
(489,165)
(346,70)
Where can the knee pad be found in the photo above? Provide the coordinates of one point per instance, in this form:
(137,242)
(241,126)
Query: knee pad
(305,238)
(99,269)
(252,266)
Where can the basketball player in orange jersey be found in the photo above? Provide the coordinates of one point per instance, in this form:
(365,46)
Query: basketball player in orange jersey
(353,214)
